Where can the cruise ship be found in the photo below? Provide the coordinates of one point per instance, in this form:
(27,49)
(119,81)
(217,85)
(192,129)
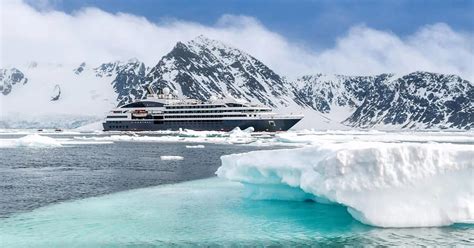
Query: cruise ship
(164,111)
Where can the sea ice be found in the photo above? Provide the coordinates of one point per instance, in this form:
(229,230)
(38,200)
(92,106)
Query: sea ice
(196,146)
(382,184)
(315,137)
(236,136)
(32,140)
(35,140)
(171,158)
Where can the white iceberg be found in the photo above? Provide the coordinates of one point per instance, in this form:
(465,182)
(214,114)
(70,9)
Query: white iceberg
(237,136)
(382,184)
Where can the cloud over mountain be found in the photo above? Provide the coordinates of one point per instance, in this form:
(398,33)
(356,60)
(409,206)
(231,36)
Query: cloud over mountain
(93,35)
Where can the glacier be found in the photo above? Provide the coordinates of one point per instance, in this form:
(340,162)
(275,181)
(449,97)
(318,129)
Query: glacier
(405,184)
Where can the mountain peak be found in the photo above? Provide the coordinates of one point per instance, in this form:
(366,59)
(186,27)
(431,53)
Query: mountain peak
(203,67)
(201,39)
(204,44)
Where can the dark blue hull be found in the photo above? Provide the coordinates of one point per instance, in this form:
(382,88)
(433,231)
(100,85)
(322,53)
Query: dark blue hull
(260,125)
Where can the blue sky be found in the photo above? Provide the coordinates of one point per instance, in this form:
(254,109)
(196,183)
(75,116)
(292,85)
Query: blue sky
(314,23)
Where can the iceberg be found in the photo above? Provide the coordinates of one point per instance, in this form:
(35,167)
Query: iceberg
(381,184)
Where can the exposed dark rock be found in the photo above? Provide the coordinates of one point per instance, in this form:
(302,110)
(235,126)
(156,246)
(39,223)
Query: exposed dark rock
(9,78)
(56,93)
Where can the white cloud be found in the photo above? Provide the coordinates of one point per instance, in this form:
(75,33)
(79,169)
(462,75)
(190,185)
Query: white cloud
(435,48)
(95,36)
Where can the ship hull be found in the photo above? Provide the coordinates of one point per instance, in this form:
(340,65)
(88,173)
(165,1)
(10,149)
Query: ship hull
(259,125)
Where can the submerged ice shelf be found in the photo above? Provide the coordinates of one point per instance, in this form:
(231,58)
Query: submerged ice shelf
(209,211)
(381,184)
(206,212)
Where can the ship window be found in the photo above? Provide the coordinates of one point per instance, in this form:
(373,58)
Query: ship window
(143,104)
(234,105)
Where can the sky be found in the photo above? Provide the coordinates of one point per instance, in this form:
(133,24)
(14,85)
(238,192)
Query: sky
(292,37)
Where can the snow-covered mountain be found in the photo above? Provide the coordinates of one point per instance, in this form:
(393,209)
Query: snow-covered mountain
(128,79)
(203,67)
(417,100)
(60,95)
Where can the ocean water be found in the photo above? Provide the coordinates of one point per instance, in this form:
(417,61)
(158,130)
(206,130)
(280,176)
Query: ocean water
(36,176)
(122,194)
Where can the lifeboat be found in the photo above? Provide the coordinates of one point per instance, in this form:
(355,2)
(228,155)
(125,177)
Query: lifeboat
(139,113)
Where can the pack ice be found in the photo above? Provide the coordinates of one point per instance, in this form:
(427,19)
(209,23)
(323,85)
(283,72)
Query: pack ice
(381,184)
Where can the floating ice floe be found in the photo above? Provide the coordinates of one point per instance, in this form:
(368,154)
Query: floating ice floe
(196,146)
(41,141)
(171,158)
(236,136)
(32,140)
(314,137)
(381,184)
(244,137)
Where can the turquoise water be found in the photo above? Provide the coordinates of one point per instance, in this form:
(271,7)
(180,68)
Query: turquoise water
(205,212)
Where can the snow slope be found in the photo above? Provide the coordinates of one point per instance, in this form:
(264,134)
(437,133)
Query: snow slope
(68,96)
